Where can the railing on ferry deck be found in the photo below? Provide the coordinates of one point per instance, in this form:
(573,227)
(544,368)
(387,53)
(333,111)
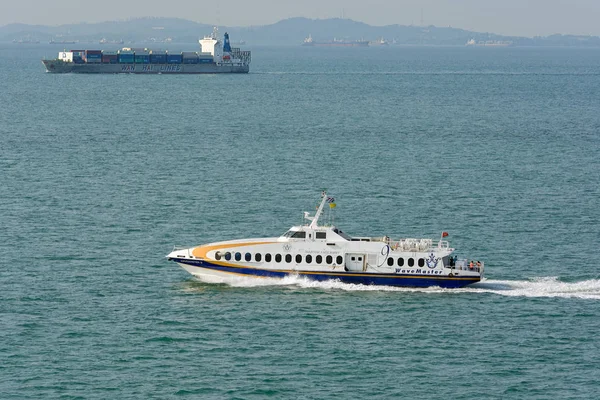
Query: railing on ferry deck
(465,265)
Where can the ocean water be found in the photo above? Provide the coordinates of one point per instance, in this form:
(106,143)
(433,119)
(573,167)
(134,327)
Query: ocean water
(101,175)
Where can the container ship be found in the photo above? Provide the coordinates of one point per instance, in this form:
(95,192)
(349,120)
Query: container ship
(215,57)
(309,41)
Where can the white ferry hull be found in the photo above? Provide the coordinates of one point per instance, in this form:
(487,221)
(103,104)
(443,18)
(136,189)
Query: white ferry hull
(210,272)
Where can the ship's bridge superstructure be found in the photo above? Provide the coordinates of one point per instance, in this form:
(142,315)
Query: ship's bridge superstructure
(222,52)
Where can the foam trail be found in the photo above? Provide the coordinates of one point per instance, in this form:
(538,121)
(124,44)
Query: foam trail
(535,287)
(540,287)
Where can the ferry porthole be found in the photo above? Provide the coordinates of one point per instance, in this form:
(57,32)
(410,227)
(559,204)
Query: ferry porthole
(339,260)
(401,262)
(217,256)
(248,257)
(288,258)
(278,258)
(228,256)
(308,259)
(421,262)
(268,257)
(298,259)
(238,256)
(411,262)
(390,261)
(257,257)
(329,260)
(319,259)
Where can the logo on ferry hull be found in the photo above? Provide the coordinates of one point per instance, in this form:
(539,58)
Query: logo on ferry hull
(432,261)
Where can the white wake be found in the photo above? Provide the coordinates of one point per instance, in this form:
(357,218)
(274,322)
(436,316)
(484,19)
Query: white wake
(535,287)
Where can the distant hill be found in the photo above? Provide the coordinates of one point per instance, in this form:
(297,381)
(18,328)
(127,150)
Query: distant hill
(286,32)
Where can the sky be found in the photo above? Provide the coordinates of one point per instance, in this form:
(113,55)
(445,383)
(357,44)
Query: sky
(507,17)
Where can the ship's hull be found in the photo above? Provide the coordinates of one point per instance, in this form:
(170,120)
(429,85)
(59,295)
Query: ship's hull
(212,272)
(59,67)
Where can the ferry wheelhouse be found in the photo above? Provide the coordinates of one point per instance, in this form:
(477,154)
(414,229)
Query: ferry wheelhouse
(324,252)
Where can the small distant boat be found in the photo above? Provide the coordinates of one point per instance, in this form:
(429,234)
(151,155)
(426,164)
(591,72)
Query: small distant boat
(106,41)
(379,42)
(489,43)
(309,41)
(26,41)
(324,252)
(52,41)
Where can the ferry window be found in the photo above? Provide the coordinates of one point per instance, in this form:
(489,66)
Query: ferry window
(299,235)
(319,259)
(342,234)
(411,262)
(288,234)
(298,258)
(248,256)
(278,257)
(268,257)
(257,257)
(390,261)
(339,260)
(359,258)
(228,256)
(400,262)
(288,258)
(321,235)
(353,258)
(238,256)
(328,259)
(421,262)
(217,256)
(308,259)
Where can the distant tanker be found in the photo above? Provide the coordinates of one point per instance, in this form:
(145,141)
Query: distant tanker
(335,43)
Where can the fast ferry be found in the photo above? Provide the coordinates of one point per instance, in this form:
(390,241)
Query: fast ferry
(324,252)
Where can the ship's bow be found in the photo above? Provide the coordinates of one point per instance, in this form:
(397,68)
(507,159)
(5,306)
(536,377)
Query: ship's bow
(56,66)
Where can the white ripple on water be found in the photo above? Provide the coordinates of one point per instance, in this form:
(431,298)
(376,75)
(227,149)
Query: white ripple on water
(535,287)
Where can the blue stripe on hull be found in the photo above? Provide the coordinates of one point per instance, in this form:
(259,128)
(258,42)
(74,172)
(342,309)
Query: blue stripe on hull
(356,278)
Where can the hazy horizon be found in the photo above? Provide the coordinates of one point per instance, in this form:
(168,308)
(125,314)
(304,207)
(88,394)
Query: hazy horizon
(509,17)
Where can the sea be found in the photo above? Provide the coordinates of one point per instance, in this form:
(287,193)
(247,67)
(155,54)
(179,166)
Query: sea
(101,175)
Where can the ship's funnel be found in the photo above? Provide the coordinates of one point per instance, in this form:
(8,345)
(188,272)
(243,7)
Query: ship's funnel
(226,45)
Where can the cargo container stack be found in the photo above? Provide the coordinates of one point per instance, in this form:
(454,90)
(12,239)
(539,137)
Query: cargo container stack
(190,57)
(205,58)
(142,57)
(126,57)
(78,56)
(158,57)
(174,58)
(110,57)
(92,56)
